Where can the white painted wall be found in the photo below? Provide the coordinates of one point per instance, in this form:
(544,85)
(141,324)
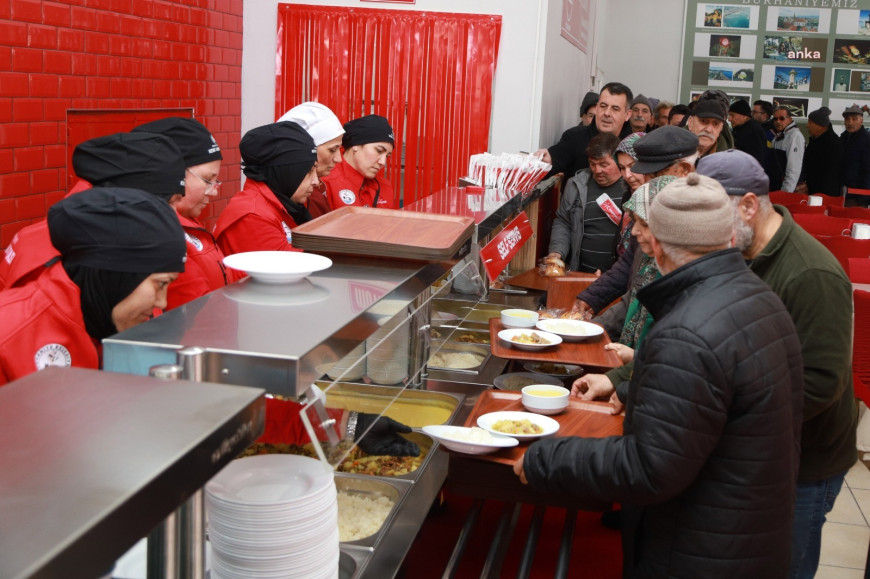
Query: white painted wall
(539,83)
(640,44)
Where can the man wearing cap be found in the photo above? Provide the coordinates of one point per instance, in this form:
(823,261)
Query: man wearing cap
(641,114)
(586,227)
(587,108)
(855,172)
(749,137)
(706,465)
(119,249)
(279,161)
(326,130)
(146,161)
(706,121)
(359,181)
(788,147)
(823,157)
(611,115)
(818,295)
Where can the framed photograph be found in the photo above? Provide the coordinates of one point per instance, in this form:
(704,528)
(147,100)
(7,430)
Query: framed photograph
(795,48)
(720,73)
(798,19)
(864,22)
(792,78)
(712,16)
(735,17)
(852,51)
(725,46)
(841,80)
(798,107)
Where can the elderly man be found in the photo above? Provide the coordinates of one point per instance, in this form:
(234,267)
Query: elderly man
(856,154)
(641,114)
(749,137)
(707,120)
(661,112)
(586,227)
(788,147)
(818,295)
(611,113)
(706,466)
(665,151)
(823,157)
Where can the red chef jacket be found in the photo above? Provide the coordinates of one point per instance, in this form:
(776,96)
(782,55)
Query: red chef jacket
(30,250)
(204,270)
(254,220)
(346,186)
(43,326)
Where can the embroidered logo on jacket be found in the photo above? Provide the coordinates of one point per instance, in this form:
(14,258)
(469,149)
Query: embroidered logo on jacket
(287,233)
(193,240)
(347,196)
(52,355)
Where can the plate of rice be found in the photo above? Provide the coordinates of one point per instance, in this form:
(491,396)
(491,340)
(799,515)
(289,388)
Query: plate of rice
(472,440)
(571,330)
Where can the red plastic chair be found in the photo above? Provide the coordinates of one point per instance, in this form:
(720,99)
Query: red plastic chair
(853,191)
(824,224)
(845,247)
(858,269)
(856,214)
(786,198)
(806,209)
(831,200)
(861,346)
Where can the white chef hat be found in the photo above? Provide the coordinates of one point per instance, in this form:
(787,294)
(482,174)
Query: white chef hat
(320,122)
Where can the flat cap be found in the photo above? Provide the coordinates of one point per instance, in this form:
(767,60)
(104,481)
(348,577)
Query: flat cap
(661,147)
(737,172)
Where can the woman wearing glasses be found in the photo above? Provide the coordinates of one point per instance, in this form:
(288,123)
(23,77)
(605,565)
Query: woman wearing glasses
(204,271)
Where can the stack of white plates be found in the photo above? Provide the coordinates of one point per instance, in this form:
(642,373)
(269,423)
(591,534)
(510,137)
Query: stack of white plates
(273,516)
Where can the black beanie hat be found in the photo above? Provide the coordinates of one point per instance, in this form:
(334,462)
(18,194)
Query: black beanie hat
(365,130)
(821,116)
(282,143)
(741,107)
(197,144)
(145,161)
(118,229)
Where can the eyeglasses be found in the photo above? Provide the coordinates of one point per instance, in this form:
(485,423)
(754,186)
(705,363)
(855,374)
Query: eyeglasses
(212,186)
(780,118)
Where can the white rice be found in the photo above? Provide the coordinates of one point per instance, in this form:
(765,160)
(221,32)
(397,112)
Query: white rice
(361,516)
(473,434)
(458,360)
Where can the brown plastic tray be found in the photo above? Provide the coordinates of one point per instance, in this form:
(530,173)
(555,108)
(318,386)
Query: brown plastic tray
(588,353)
(385,233)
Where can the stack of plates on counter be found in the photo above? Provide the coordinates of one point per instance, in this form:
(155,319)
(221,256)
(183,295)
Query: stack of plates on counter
(273,516)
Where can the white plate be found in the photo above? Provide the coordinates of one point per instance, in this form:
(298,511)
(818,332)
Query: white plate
(548,425)
(277,266)
(266,479)
(445,435)
(508,336)
(571,330)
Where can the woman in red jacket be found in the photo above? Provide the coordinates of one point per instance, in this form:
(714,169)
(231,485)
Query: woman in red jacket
(204,270)
(119,251)
(279,161)
(359,181)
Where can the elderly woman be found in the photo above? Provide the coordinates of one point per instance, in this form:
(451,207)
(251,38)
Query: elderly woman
(326,130)
(368,142)
(204,271)
(119,251)
(279,162)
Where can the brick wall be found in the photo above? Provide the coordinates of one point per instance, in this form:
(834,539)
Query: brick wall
(108,54)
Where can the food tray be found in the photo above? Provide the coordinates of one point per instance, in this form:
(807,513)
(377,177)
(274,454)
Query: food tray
(415,408)
(385,233)
(372,487)
(532,279)
(440,346)
(588,353)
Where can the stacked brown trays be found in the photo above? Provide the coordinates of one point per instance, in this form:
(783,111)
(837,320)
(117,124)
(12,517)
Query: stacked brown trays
(386,233)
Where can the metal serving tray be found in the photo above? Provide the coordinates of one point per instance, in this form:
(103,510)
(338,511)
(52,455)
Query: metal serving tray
(442,347)
(371,487)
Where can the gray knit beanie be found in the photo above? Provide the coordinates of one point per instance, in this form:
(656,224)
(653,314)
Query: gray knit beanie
(692,211)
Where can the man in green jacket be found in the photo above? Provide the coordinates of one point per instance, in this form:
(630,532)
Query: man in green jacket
(818,295)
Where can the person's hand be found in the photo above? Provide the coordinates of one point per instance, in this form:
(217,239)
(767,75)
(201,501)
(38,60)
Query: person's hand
(625,353)
(520,471)
(592,386)
(802,188)
(616,403)
(583,309)
(544,155)
(555,254)
(597,273)
(384,436)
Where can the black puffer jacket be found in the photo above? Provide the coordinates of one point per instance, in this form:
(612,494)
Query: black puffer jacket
(707,466)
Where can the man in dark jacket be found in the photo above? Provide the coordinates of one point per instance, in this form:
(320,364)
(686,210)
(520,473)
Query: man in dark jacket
(820,171)
(706,467)
(856,155)
(749,137)
(611,115)
(818,295)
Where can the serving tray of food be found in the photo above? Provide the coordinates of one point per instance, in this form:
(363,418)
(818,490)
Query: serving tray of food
(534,279)
(589,353)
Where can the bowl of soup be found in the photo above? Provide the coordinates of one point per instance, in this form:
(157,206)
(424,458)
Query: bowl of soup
(545,398)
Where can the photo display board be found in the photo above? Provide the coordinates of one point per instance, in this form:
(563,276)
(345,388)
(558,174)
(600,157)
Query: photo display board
(802,54)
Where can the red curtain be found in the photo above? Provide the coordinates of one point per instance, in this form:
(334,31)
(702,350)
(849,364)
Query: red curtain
(429,73)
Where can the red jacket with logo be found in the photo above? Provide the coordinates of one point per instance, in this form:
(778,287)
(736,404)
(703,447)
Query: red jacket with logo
(254,220)
(43,326)
(204,270)
(30,250)
(346,186)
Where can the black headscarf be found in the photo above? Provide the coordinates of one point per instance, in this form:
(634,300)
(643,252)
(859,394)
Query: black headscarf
(197,144)
(280,155)
(111,239)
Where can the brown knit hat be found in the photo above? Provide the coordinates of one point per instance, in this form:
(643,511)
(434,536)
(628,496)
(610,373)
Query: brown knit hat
(692,211)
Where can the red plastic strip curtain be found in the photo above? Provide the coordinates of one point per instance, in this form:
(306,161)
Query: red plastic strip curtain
(429,73)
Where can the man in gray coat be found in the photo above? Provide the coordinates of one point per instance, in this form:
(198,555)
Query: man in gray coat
(706,467)
(586,227)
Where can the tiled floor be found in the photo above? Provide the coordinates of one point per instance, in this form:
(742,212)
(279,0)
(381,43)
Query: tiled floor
(846,535)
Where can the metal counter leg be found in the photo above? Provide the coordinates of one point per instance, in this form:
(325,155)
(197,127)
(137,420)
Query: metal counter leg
(462,542)
(162,550)
(567,542)
(531,543)
(501,541)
